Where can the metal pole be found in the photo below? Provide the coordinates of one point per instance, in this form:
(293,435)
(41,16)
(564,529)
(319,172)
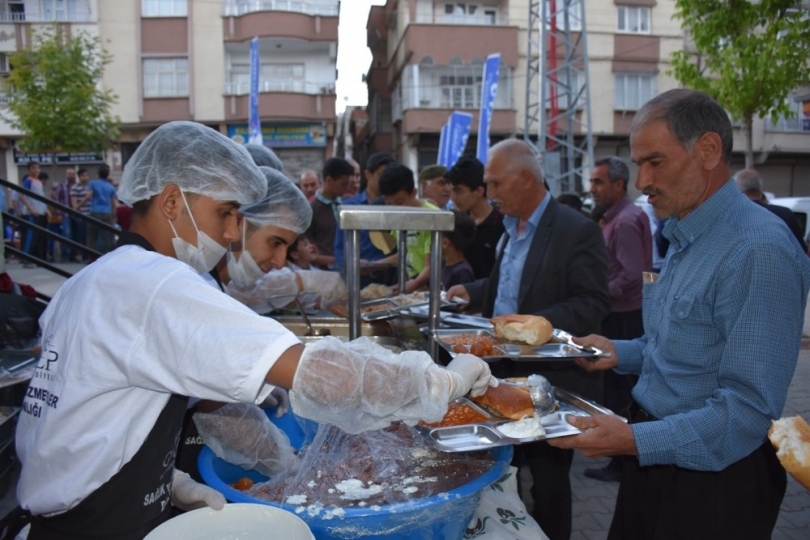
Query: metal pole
(403,267)
(435,290)
(352,251)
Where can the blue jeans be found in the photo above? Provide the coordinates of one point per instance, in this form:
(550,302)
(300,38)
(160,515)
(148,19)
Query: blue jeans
(55,228)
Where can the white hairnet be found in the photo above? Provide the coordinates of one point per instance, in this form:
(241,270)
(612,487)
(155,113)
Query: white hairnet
(264,157)
(197,159)
(284,205)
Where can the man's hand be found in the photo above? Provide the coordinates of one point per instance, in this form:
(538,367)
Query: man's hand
(601,363)
(458,291)
(602,435)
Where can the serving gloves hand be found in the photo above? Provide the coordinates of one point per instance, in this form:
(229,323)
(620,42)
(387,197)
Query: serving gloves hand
(188,494)
(329,285)
(469,373)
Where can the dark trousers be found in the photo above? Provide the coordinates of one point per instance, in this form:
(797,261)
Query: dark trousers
(663,502)
(35,241)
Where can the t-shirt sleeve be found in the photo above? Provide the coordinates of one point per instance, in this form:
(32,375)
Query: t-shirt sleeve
(196,341)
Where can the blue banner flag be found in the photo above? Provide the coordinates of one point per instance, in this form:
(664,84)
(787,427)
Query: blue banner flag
(442,159)
(489,90)
(254,123)
(458,129)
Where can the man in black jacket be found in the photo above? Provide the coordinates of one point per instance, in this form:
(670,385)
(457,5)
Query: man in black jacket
(550,262)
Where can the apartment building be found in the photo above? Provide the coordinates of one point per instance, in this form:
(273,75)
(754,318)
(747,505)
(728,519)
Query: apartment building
(427,62)
(189,60)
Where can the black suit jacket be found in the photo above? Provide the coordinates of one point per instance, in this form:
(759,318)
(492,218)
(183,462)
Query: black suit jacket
(564,280)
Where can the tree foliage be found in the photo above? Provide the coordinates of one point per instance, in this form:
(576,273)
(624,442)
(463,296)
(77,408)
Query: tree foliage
(747,55)
(55,96)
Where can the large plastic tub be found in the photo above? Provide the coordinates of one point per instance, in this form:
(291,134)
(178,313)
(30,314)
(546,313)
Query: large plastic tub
(439,517)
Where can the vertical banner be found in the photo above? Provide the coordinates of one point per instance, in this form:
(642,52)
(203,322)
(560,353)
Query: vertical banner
(442,159)
(489,90)
(458,130)
(254,123)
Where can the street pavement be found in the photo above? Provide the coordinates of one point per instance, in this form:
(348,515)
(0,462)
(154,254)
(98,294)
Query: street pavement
(593,501)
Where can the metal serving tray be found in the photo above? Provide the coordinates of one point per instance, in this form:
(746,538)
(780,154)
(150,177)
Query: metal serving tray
(391,309)
(451,319)
(515,351)
(485,435)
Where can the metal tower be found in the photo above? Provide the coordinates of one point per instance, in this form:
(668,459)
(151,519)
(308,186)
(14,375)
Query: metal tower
(557,77)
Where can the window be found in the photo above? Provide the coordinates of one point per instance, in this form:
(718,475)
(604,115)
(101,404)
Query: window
(797,120)
(577,84)
(634,19)
(4,64)
(15,10)
(461,89)
(465,13)
(59,10)
(164,8)
(633,90)
(165,77)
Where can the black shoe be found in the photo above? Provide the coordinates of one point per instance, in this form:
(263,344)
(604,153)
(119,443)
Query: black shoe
(608,473)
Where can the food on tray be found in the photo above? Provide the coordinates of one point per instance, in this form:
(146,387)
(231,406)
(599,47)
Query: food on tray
(791,438)
(340,309)
(375,291)
(388,466)
(529,329)
(458,414)
(411,299)
(473,344)
(528,428)
(375,307)
(507,401)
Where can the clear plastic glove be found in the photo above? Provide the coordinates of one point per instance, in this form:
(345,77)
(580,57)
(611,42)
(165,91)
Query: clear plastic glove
(360,386)
(240,433)
(329,285)
(187,494)
(469,374)
(279,399)
(274,290)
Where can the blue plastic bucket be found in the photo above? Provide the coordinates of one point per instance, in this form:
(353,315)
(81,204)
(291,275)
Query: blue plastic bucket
(444,516)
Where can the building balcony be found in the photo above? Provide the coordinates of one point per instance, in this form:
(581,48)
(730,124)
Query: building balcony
(286,86)
(432,120)
(283,106)
(440,43)
(78,11)
(280,24)
(237,8)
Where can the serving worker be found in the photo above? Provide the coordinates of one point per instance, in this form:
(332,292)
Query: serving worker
(101,419)
(723,325)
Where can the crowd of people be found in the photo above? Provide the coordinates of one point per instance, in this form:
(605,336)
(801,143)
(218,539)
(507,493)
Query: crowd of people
(699,298)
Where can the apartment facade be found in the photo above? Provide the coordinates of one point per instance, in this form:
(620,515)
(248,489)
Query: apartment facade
(189,60)
(427,57)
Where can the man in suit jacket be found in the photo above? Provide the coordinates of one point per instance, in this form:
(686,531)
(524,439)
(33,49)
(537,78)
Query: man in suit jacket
(551,262)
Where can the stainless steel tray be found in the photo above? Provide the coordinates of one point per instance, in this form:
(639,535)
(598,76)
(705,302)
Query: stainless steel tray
(458,320)
(485,435)
(389,310)
(515,351)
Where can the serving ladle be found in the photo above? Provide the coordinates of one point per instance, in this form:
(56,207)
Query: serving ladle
(310,332)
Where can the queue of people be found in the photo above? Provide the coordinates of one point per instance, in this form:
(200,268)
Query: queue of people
(701,351)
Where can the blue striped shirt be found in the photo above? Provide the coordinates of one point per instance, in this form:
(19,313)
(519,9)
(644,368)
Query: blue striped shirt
(723,325)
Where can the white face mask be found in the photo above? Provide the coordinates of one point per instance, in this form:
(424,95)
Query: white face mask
(244,271)
(205,255)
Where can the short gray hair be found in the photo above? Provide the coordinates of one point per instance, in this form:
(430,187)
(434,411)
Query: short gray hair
(616,169)
(749,181)
(689,115)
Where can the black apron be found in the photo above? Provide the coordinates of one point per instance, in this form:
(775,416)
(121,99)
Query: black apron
(137,498)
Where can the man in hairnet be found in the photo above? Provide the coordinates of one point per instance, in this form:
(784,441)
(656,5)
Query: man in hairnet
(101,419)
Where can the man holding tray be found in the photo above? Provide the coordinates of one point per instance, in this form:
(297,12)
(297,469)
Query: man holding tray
(723,324)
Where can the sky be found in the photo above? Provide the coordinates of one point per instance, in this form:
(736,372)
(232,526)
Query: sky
(354,57)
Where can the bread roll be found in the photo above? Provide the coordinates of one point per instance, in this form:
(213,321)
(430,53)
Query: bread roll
(507,401)
(791,438)
(529,329)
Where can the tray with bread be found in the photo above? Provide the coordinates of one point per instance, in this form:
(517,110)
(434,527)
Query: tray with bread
(505,415)
(516,337)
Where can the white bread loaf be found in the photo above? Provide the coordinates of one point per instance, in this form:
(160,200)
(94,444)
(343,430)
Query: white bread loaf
(791,438)
(529,329)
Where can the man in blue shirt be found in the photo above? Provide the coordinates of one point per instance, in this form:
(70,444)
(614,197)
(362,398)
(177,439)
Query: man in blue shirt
(723,324)
(103,202)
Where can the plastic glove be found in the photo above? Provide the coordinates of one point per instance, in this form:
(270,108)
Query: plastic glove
(469,374)
(327,284)
(279,399)
(274,290)
(188,494)
(360,386)
(240,433)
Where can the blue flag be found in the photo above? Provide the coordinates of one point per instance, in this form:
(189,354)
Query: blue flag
(442,159)
(489,90)
(254,123)
(458,129)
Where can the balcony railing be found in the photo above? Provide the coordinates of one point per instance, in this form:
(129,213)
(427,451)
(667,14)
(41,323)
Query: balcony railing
(276,85)
(484,19)
(236,8)
(9,17)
